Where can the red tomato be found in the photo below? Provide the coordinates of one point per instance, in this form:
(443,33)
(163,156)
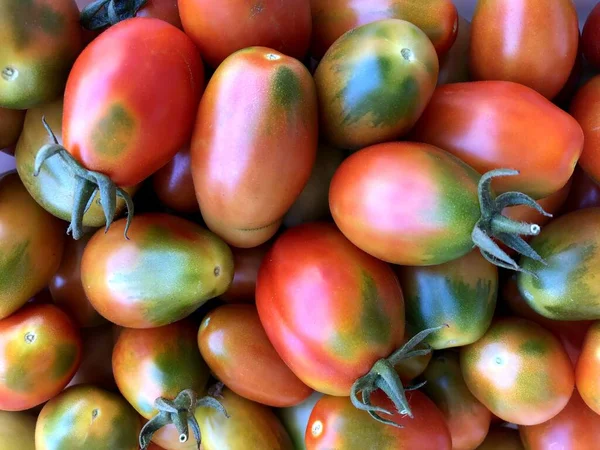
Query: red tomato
(590,37)
(174,185)
(254,144)
(585,193)
(220,30)
(246,262)
(587,373)
(533,43)
(40,350)
(585,107)
(499,124)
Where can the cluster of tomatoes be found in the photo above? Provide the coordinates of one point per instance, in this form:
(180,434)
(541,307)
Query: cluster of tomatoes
(299,225)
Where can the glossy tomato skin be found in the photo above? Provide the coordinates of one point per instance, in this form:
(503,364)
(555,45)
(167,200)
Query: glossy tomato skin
(329,322)
(54,186)
(437,18)
(584,193)
(587,373)
(235,346)
(585,109)
(11,124)
(282,26)
(519,371)
(87,417)
(468,420)
(246,262)
(454,65)
(335,423)
(40,40)
(173,183)
(158,362)
(295,419)
(41,350)
(106,125)
(532,43)
(564,287)
(166,270)
(590,37)
(500,124)
(502,438)
(397,62)
(254,144)
(31,245)
(460,293)
(392,218)
(17,430)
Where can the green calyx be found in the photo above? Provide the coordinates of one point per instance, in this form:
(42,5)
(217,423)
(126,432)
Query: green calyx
(493,225)
(181,413)
(103,13)
(383,376)
(87,183)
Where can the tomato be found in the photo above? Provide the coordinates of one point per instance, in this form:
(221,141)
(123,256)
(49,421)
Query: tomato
(584,193)
(41,351)
(576,427)
(587,373)
(11,124)
(335,424)
(437,18)
(499,124)
(374,82)
(313,202)
(563,288)
(159,9)
(295,419)
(246,262)
(31,245)
(166,270)
(519,371)
(173,183)
(460,293)
(282,26)
(502,438)
(590,37)
(84,417)
(532,43)
(40,40)
(454,65)
(17,431)
(235,346)
(254,144)
(584,108)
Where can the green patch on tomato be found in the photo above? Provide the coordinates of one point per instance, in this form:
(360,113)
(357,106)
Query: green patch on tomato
(114,131)
(286,91)
(66,354)
(15,268)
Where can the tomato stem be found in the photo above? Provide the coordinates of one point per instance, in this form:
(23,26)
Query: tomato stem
(103,13)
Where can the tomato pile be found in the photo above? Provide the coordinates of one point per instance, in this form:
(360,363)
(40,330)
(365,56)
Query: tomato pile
(299,225)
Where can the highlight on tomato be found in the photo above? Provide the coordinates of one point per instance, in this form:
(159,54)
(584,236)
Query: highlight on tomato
(426,207)
(109,139)
(17,430)
(587,372)
(585,109)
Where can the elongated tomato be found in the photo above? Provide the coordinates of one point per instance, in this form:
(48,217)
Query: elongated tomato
(587,372)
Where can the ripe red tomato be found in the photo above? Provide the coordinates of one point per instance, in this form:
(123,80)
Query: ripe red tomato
(532,43)
(40,349)
(499,124)
(246,262)
(590,37)
(585,107)
(173,183)
(254,144)
(584,193)
(587,373)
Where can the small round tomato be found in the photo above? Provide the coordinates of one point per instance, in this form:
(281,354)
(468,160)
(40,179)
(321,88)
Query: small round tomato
(174,185)
(87,417)
(31,245)
(460,294)
(584,193)
(454,65)
(254,144)
(532,43)
(468,420)
(519,371)
(336,424)
(11,124)
(166,270)
(295,419)
(499,124)
(246,262)
(40,40)
(585,108)
(374,82)
(219,30)
(437,18)
(590,37)
(587,373)
(17,430)
(502,438)
(41,351)
(235,346)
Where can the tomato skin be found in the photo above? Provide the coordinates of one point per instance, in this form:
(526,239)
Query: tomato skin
(519,371)
(87,417)
(468,420)
(235,346)
(164,272)
(54,186)
(336,424)
(460,293)
(585,109)
(282,26)
(158,362)
(454,65)
(487,124)
(502,438)
(415,182)
(11,124)
(31,245)
(397,62)
(590,37)
(564,289)
(254,144)
(533,43)
(41,350)
(246,262)
(106,125)
(587,373)
(17,430)
(174,185)
(295,419)
(584,193)
(438,19)
(329,322)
